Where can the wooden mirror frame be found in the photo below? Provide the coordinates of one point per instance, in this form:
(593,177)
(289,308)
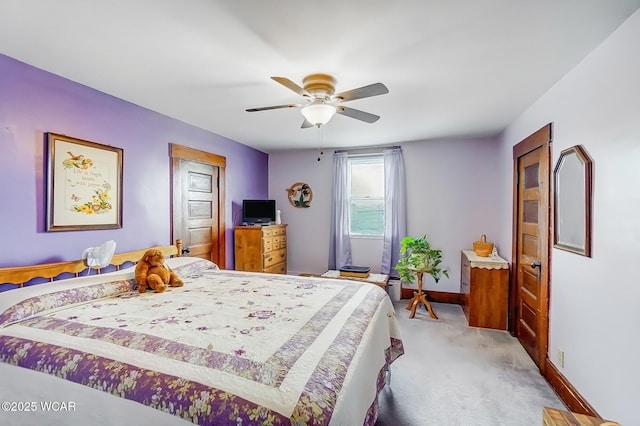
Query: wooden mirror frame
(572,192)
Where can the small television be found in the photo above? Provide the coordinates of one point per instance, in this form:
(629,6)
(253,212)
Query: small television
(258,211)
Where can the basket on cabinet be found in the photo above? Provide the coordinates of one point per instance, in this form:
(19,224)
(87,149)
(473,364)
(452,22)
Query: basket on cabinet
(482,248)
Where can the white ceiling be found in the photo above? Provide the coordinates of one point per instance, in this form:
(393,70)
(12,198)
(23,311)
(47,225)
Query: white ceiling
(455,68)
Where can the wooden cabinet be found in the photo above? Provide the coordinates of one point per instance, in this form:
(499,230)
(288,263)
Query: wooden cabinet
(261,248)
(484,290)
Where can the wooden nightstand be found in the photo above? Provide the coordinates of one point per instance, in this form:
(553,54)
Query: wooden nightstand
(484,289)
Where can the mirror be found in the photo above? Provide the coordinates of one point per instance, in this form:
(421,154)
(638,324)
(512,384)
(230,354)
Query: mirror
(572,201)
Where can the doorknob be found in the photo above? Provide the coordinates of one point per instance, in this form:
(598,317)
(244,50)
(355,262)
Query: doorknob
(537,264)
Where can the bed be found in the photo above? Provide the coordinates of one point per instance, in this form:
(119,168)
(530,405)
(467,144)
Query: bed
(229,347)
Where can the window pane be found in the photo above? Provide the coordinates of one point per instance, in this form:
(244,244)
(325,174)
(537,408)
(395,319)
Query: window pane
(367,216)
(367,180)
(367,196)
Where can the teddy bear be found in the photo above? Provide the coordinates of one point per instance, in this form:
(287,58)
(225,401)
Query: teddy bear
(151,272)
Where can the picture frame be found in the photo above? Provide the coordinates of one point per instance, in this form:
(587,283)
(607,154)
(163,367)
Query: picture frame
(572,187)
(84,184)
(300,195)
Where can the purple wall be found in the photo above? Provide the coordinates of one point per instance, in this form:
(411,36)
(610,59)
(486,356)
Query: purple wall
(33,102)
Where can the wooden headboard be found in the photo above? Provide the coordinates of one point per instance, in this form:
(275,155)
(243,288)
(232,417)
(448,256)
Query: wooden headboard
(19,275)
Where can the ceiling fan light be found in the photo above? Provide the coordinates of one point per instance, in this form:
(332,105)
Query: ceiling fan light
(318,114)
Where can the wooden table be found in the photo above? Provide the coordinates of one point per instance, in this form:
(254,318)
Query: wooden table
(420,297)
(554,417)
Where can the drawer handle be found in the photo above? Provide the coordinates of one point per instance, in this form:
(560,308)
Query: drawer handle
(270,259)
(282,254)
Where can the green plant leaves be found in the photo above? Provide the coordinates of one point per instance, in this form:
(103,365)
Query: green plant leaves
(416,253)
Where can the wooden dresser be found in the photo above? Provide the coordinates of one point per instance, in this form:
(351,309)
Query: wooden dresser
(261,248)
(484,290)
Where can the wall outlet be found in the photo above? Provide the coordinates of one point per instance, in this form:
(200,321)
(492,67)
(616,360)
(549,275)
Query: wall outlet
(561,358)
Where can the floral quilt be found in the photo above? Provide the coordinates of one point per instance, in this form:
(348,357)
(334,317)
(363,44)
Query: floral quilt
(227,348)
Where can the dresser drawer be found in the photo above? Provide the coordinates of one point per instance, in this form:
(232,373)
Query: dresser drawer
(268,232)
(273,243)
(274,257)
(273,231)
(281,242)
(278,268)
(268,244)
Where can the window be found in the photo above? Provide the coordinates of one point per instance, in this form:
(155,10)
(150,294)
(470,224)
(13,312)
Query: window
(366,197)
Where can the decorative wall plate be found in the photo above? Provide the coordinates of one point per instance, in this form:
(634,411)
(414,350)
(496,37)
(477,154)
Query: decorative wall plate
(300,194)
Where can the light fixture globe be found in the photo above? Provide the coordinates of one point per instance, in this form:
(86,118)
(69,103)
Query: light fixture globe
(318,113)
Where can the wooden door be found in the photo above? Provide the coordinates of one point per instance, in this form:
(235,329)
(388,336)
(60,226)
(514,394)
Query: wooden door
(530,274)
(198,202)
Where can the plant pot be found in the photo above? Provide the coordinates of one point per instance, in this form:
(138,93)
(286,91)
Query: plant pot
(418,261)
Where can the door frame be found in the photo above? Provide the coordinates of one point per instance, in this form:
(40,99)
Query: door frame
(178,153)
(540,138)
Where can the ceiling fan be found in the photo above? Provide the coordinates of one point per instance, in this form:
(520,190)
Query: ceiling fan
(321,101)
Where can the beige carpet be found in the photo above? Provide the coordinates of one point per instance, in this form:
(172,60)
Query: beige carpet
(455,375)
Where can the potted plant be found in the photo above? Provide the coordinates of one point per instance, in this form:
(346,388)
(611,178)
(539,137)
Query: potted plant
(416,253)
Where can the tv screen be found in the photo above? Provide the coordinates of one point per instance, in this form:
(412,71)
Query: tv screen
(258,211)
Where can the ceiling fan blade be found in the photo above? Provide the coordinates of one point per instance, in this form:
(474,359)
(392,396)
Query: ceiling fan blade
(292,86)
(357,114)
(273,107)
(306,124)
(362,92)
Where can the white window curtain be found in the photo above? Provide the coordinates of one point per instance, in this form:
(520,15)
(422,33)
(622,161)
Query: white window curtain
(395,210)
(339,241)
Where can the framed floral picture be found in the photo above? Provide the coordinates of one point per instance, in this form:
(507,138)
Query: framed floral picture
(84,185)
(300,194)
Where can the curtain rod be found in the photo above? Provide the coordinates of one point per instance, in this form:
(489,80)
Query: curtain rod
(369,148)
